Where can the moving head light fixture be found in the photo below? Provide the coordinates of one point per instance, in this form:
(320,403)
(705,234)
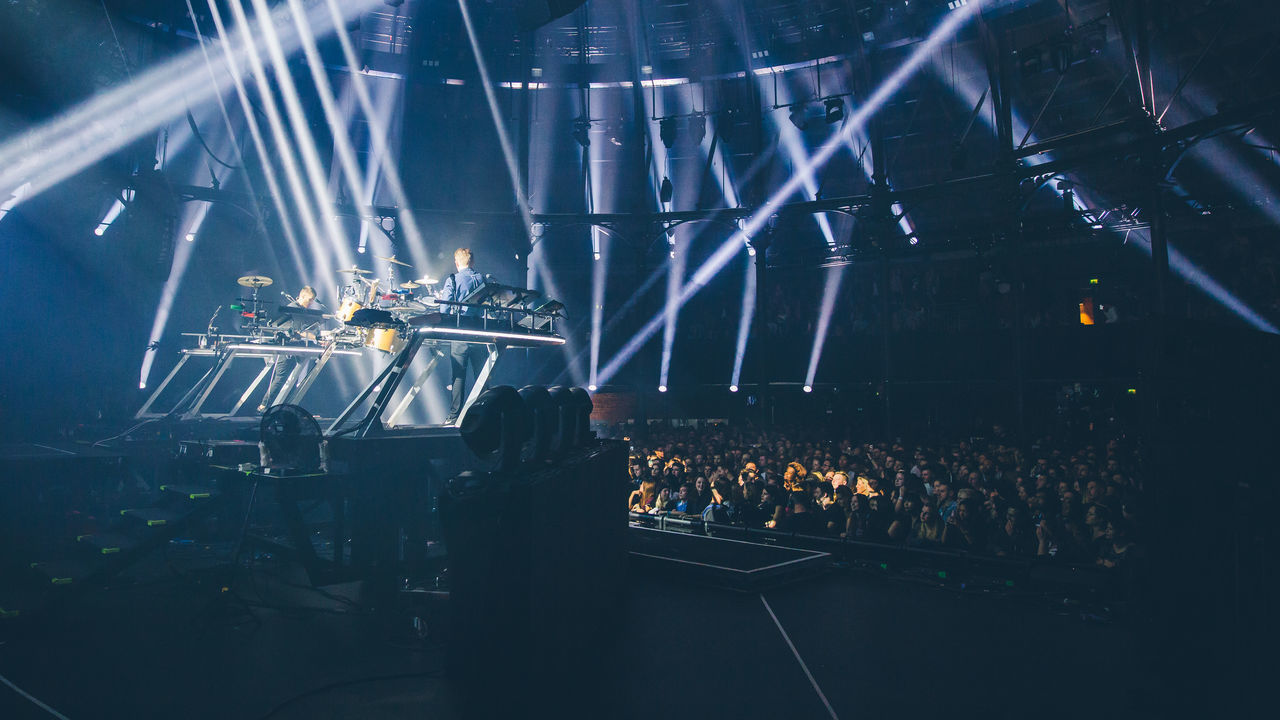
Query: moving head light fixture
(667,131)
(697,128)
(835,110)
(581,127)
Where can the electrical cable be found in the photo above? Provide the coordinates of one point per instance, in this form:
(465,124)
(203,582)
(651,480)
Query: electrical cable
(195,130)
(126,432)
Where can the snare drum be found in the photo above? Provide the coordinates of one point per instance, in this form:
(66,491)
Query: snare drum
(348,308)
(384,339)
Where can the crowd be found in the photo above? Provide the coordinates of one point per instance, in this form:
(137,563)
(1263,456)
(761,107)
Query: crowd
(979,495)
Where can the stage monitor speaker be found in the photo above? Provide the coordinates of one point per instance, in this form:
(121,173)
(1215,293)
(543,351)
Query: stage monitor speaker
(533,14)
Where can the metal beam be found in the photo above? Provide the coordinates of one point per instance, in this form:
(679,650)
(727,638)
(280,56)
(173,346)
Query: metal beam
(1040,114)
(1232,116)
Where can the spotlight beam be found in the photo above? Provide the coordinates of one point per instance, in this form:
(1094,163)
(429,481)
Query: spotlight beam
(945,30)
(671,311)
(60,148)
(508,153)
(744,321)
(1193,275)
(337,123)
(632,300)
(15,197)
(116,208)
(969,92)
(379,126)
(793,143)
(283,145)
(305,141)
(226,115)
(599,274)
(194,217)
(831,291)
(599,265)
(255,132)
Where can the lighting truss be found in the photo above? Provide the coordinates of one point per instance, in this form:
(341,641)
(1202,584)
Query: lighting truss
(950,25)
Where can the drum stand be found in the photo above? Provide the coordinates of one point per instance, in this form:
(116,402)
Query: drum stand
(255,327)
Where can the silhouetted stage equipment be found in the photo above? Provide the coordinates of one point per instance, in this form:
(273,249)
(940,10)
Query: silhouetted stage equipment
(536,554)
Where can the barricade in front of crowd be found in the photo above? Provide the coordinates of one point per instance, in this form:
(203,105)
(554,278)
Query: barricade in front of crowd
(933,562)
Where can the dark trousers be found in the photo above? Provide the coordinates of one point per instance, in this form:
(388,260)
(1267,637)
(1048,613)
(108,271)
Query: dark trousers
(284,365)
(460,355)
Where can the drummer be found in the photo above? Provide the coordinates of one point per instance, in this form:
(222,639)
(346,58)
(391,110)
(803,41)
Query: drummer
(306,297)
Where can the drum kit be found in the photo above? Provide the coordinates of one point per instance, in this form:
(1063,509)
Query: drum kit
(358,292)
(363,293)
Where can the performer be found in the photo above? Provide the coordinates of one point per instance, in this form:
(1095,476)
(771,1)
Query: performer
(285,364)
(457,287)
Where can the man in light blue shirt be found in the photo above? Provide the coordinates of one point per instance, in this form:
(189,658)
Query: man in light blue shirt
(456,288)
(460,284)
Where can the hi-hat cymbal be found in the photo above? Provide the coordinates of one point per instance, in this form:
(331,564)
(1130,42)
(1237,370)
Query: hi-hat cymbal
(355,270)
(254,281)
(393,260)
(410,285)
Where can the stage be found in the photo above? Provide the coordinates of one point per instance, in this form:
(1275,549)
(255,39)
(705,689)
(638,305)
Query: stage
(871,646)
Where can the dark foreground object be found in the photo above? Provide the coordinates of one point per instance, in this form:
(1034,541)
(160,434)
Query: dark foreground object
(536,592)
(875,647)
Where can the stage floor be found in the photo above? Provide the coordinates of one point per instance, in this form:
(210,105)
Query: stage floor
(844,644)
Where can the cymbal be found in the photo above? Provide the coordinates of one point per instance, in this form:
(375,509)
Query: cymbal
(410,285)
(426,280)
(355,270)
(254,281)
(393,260)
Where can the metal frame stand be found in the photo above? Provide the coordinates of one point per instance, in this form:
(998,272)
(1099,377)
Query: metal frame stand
(482,379)
(311,376)
(384,384)
(421,380)
(388,381)
(190,405)
(145,410)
